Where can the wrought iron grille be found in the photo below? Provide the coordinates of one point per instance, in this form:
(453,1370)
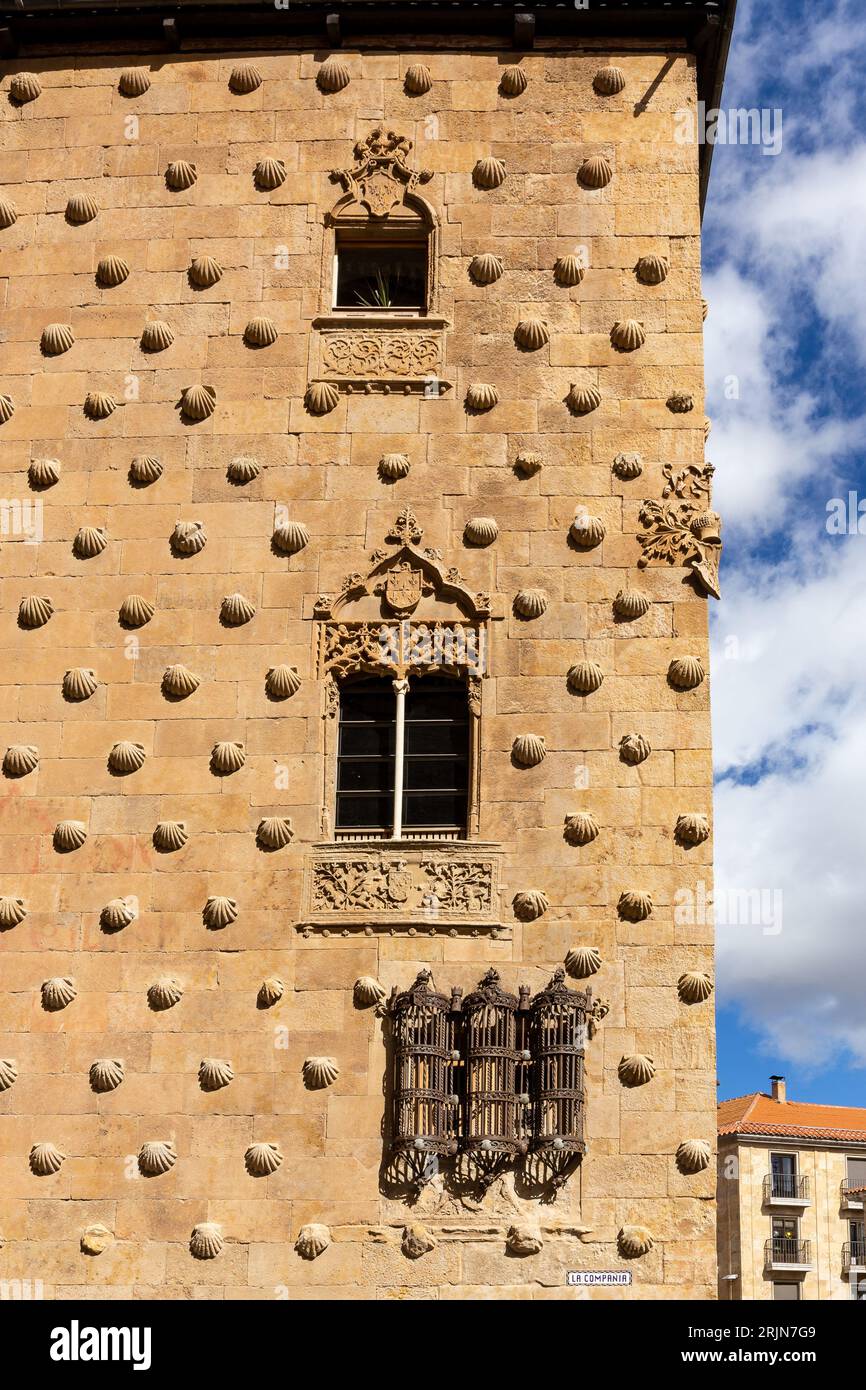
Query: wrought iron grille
(424,1098)
(558,1041)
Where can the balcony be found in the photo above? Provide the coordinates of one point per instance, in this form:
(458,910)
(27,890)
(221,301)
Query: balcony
(852,1195)
(788,1256)
(786,1190)
(854,1255)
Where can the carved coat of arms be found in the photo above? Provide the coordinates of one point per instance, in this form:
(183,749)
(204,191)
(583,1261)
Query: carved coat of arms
(381,173)
(403,586)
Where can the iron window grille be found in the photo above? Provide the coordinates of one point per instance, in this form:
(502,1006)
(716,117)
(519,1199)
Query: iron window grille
(424,1094)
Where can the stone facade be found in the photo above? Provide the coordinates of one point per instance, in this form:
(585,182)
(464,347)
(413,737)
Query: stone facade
(282,920)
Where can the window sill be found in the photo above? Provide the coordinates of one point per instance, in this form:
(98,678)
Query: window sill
(380,318)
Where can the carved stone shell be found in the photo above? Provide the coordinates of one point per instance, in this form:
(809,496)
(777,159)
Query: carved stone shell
(332,76)
(263,1159)
(585,677)
(135,611)
(513,81)
(481,530)
(524,1239)
(12,911)
(528,750)
(528,463)
(235,610)
(418,80)
(275,832)
(214,1073)
(69,835)
(595,172)
(8,1073)
(312,1240)
(394,466)
(708,426)
(45,1159)
(181,174)
(133,82)
(57,338)
(7,409)
(482,396)
(705,309)
(485,268)
(368,991)
(282,682)
(261,332)
(206,1241)
(634,749)
(634,906)
(568,271)
(581,828)
(164,993)
(320,1072)
(652,270)
(106,1073)
(96,1238)
(694,1155)
(24,87)
(271,991)
(530,603)
(178,681)
(228,757)
(587,531)
(8,214)
(81,208)
(634,1241)
(126,757)
(156,1156)
(90,541)
(417,1241)
(489,173)
(631,603)
(530,904)
(686,672)
(57,993)
(112,271)
(117,914)
(582,400)
(43,472)
(245,78)
(98,405)
(694,987)
(170,835)
(189,537)
(321,397)
(219,912)
(680,403)
(243,469)
(145,469)
(692,829)
(583,961)
(20,758)
(609,81)
(204,271)
(636,1070)
(627,335)
(628,466)
(291,538)
(531,334)
(198,402)
(157,335)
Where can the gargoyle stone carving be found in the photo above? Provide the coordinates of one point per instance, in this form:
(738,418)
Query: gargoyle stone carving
(683,528)
(381,173)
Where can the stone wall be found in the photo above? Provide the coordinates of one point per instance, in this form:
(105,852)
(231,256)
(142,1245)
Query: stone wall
(81,136)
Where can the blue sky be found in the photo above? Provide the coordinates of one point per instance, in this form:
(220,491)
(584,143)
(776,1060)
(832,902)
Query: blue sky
(785,275)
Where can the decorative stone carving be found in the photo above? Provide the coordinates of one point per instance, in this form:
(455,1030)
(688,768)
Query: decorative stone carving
(528,750)
(235,610)
(170,835)
(393,466)
(531,334)
(291,537)
(117,914)
(686,672)
(634,749)
(245,78)
(481,396)
(652,270)
(12,911)
(58,993)
(587,531)
(269,174)
(685,530)
(368,992)
(243,470)
(705,309)
(694,987)
(135,611)
(214,1073)
(418,80)
(581,828)
(322,396)
(106,1074)
(145,470)
(416,1241)
(180,175)
(363,356)
(43,473)
(628,467)
(156,1157)
(595,172)
(96,1238)
(485,269)
(263,1159)
(585,678)
(636,1070)
(528,463)
(188,537)
(530,603)
(489,173)
(609,81)
(524,1239)
(481,530)
(81,208)
(156,336)
(198,402)
(98,405)
(627,335)
(634,1241)
(24,87)
(57,338)
(282,682)
(126,757)
(381,176)
(404,885)
(694,1155)
(219,912)
(530,904)
(271,992)
(634,906)
(179,682)
(332,76)
(320,1072)
(708,427)
(275,832)
(206,1241)
(313,1240)
(8,1073)
(164,993)
(111,271)
(20,759)
(692,829)
(260,332)
(8,214)
(90,541)
(227,758)
(69,835)
(583,961)
(630,604)
(582,400)
(513,81)
(680,403)
(46,1159)
(133,82)
(7,409)
(568,271)
(204,271)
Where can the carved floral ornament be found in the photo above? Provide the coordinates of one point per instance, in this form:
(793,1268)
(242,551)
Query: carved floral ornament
(381,174)
(683,528)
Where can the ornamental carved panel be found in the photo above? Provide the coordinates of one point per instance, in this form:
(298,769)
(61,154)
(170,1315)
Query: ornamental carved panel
(360,353)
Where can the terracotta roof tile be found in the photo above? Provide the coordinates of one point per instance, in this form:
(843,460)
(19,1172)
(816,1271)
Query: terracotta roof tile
(760,1114)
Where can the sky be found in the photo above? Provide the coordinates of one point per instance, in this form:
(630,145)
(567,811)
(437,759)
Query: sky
(785,277)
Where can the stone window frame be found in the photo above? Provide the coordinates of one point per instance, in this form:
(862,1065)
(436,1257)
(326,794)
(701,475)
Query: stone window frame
(347,214)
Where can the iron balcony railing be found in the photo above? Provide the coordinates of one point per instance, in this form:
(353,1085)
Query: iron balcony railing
(782,1250)
(854,1254)
(853,1192)
(786,1187)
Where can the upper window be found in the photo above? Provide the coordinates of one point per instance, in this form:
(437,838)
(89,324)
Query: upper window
(375,275)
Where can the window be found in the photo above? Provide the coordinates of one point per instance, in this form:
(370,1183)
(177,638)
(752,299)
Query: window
(433,775)
(786,1293)
(381,274)
(783,1170)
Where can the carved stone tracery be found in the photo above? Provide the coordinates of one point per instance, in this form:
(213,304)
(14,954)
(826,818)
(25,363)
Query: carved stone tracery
(685,530)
